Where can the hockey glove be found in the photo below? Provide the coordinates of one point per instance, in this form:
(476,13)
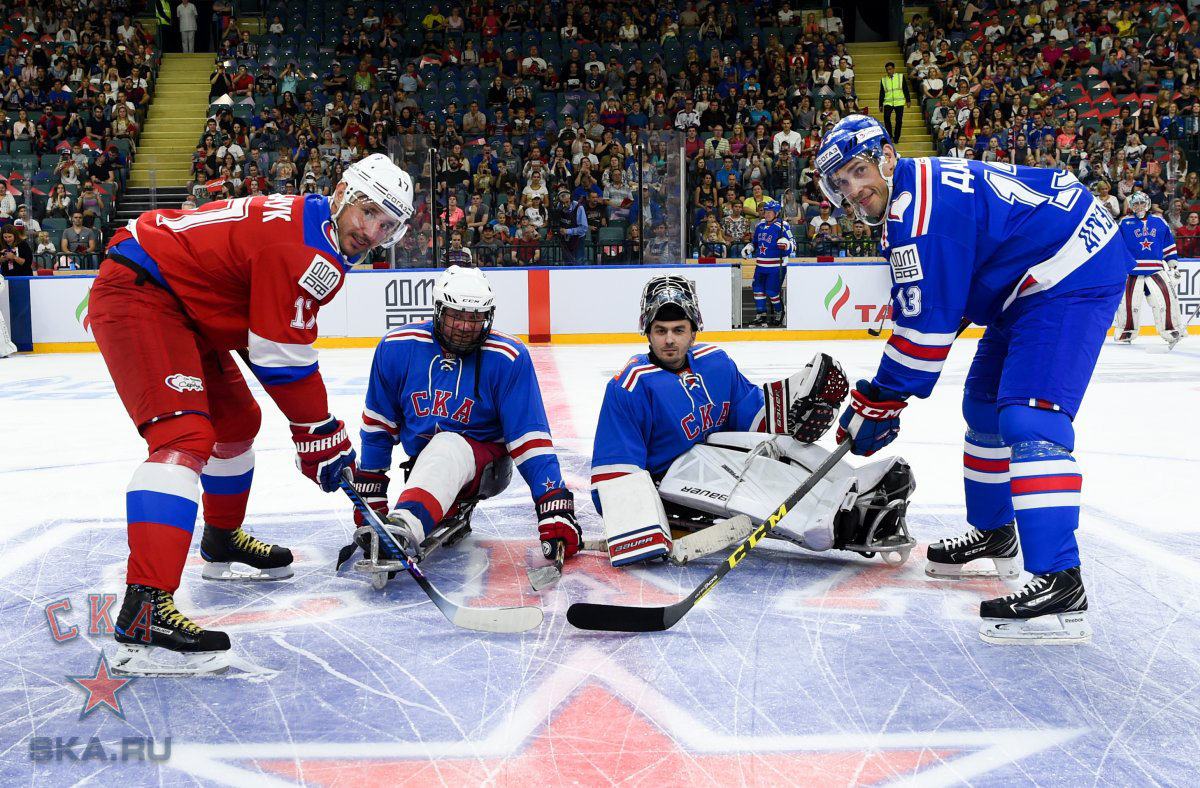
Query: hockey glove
(372,487)
(323,450)
(556,520)
(872,419)
(805,404)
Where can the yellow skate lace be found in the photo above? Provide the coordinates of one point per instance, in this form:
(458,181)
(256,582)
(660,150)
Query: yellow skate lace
(244,541)
(171,615)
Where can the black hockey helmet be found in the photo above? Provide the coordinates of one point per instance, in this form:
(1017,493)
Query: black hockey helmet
(670,297)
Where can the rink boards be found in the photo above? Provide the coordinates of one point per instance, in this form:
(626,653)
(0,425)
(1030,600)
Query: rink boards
(832,300)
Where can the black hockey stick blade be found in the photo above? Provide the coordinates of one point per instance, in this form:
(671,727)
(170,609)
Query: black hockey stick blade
(622,618)
(505,620)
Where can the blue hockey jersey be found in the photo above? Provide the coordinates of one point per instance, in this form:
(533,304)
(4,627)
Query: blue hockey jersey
(1150,241)
(965,239)
(766,243)
(651,415)
(417,390)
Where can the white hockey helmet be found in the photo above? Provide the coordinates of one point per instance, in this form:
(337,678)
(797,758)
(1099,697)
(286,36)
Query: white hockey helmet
(670,290)
(466,290)
(1139,204)
(378,179)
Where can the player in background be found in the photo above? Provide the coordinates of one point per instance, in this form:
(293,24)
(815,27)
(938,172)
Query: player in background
(177,291)
(462,400)
(1030,254)
(1154,276)
(773,242)
(681,423)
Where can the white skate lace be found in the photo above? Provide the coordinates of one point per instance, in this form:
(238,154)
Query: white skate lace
(970,537)
(1032,587)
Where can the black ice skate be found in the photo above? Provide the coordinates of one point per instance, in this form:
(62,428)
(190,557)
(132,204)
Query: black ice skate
(157,640)
(1051,608)
(948,559)
(221,548)
(759,320)
(776,319)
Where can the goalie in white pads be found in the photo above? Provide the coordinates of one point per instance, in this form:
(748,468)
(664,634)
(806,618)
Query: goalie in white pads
(685,439)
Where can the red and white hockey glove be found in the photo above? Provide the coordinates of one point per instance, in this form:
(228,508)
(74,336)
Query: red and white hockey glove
(372,487)
(872,419)
(323,451)
(556,520)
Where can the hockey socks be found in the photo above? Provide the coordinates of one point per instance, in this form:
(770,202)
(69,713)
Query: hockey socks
(1045,483)
(161,504)
(226,481)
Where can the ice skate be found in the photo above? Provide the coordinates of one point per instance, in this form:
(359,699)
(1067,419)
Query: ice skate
(759,320)
(1175,340)
(221,549)
(1123,339)
(1050,609)
(155,639)
(949,558)
(776,319)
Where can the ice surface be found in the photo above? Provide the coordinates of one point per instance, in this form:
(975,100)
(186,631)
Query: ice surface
(797,669)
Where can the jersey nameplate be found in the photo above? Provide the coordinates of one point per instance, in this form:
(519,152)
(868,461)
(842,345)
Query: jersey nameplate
(906,264)
(321,277)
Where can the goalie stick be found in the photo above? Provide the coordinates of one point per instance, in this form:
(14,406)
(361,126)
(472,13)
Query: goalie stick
(481,619)
(621,618)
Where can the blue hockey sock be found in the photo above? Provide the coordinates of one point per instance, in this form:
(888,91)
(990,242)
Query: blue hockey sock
(985,467)
(1045,483)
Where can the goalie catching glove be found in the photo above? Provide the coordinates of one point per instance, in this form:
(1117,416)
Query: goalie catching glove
(323,451)
(556,520)
(805,405)
(872,419)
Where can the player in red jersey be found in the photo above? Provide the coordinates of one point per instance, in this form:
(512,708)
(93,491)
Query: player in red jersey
(179,290)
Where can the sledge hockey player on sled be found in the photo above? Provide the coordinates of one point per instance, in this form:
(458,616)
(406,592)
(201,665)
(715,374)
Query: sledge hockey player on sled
(685,441)
(463,401)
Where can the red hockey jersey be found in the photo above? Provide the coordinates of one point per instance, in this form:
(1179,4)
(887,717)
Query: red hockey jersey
(251,273)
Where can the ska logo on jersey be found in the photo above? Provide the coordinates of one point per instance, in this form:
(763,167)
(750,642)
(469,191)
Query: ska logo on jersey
(181,382)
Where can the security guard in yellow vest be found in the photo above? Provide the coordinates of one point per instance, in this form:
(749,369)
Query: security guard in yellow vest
(893,97)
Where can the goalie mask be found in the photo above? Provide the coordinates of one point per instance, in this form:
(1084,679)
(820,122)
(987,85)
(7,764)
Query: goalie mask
(376,180)
(463,309)
(1139,204)
(676,295)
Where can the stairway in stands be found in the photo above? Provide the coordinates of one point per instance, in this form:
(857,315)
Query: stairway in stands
(173,124)
(869,59)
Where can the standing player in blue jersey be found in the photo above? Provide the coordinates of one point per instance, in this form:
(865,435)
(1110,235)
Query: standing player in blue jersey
(462,399)
(1153,277)
(773,242)
(681,423)
(1031,255)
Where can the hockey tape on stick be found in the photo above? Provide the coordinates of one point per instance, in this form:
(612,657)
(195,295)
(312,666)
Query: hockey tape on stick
(480,619)
(545,576)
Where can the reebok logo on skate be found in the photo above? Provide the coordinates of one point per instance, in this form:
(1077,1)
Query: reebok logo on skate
(181,382)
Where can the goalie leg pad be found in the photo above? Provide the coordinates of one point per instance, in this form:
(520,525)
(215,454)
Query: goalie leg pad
(806,404)
(635,522)
(1160,293)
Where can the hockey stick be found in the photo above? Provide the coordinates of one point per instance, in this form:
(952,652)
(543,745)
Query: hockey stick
(480,619)
(549,575)
(621,618)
